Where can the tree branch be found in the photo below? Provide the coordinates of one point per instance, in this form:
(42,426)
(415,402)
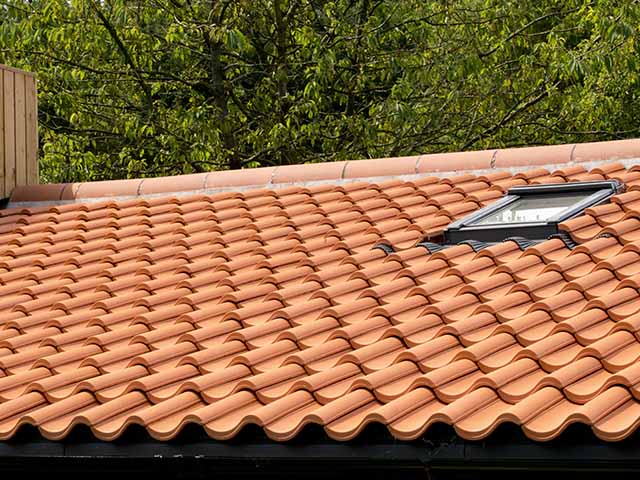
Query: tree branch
(122,49)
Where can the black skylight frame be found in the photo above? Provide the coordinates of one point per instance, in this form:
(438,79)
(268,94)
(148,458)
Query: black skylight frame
(468,229)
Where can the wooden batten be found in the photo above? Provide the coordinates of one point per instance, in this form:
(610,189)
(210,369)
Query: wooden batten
(19,129)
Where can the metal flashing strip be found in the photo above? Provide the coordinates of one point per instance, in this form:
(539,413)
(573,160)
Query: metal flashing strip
(522,242)
(388,249)
(432,247)
(566,239)
(476,245)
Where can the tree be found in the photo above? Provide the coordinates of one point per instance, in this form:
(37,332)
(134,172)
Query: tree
(135,88)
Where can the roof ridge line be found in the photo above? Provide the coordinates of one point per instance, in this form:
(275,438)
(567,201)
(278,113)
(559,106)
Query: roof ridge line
(210,191)
(438,164)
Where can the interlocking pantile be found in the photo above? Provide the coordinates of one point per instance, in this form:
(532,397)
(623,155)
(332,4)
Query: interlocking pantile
(322,303)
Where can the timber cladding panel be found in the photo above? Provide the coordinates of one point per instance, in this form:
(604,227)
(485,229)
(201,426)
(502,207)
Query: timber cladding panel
(19,129)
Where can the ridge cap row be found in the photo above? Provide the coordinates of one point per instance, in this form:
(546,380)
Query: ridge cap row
(348,170)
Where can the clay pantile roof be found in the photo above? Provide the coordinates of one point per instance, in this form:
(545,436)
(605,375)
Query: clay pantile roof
(321,303)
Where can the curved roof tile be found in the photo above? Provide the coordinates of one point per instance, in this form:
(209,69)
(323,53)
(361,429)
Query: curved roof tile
(320,304)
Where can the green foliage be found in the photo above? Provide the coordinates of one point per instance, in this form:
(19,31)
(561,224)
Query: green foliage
(135,88)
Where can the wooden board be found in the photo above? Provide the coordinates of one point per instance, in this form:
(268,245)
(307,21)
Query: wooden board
(9,131)
(31,108)
(20,130)
(2,192)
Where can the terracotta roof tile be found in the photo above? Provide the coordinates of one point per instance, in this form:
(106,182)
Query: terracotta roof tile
(272,307)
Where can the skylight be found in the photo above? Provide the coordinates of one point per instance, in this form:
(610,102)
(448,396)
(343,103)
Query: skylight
(532,211)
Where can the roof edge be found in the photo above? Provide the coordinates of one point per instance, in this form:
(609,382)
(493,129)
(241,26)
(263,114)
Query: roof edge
(337,172)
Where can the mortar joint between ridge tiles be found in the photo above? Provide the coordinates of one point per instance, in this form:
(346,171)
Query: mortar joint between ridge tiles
(572,154)
(204,180)
(417,165)
(492,162)
(344,170)
(139,187)
(63,190)
(273,175)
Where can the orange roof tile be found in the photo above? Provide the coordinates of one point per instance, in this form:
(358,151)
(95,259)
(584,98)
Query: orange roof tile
(272,307)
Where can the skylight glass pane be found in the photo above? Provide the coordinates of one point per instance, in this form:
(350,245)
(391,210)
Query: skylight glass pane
(533,208)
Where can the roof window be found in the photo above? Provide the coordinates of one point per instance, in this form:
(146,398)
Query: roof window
(531,211)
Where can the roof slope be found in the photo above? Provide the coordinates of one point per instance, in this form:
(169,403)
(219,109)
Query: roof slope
(272,307)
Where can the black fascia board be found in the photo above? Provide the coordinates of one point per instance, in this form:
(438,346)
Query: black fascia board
(439,454)
(467,229)
(207,459)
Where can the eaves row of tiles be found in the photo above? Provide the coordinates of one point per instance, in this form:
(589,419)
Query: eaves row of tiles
(272,307)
